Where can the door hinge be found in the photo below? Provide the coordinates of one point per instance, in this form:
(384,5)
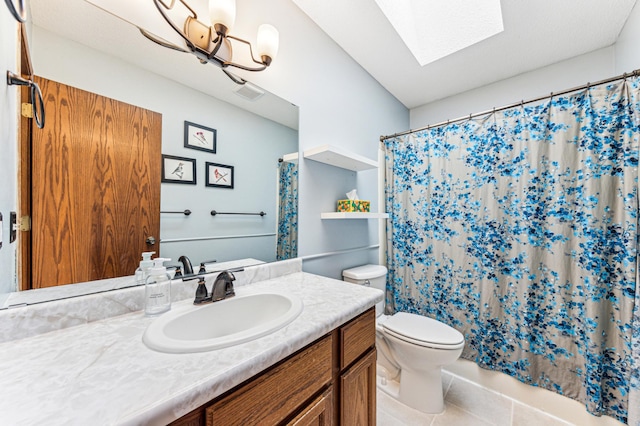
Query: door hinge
(27,110)
(25,223)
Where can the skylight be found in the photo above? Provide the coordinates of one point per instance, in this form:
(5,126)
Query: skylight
(433,29)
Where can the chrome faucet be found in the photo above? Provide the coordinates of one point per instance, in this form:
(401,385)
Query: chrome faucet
(222,289)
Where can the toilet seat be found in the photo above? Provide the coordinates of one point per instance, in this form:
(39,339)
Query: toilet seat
(423,331)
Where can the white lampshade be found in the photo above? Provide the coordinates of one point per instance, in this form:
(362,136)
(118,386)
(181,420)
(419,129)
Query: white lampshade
(268,40)
(223,12)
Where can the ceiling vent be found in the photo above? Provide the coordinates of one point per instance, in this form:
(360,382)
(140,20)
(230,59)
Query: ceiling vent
(249,92)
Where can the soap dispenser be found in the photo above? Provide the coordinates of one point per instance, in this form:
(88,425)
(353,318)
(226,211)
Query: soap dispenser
(143,270)
(157,289)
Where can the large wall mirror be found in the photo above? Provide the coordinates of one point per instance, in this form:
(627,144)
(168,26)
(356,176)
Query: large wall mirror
(77,44)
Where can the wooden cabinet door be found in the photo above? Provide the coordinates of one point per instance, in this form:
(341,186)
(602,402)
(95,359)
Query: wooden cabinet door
(318,413)
(95,187)
(358,393)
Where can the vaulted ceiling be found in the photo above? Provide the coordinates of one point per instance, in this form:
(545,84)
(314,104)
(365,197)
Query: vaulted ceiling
(536,34)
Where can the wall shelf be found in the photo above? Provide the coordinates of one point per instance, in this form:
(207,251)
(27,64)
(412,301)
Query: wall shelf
(340,157)
(353,215)
(290,158)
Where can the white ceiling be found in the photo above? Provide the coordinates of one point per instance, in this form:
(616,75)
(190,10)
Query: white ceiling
(536,33)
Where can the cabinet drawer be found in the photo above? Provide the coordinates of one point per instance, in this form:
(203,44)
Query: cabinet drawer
(357,337)
(273,396)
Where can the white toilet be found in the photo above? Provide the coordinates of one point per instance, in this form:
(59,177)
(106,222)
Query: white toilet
(411,348)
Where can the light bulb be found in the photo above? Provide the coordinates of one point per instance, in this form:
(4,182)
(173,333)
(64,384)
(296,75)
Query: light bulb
(268,40)
(223,12)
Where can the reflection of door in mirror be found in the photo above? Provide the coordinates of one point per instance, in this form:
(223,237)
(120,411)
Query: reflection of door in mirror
(95,187)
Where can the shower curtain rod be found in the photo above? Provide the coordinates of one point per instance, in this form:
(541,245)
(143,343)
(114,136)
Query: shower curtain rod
(624,76)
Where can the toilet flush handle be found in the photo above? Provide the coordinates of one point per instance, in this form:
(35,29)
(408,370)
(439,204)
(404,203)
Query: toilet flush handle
(367,283)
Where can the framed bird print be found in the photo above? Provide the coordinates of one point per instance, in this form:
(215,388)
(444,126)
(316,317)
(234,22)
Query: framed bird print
(199,137)
(219,175)
(178,169)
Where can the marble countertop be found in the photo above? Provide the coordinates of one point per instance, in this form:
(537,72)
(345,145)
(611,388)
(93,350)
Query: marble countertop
(102,373)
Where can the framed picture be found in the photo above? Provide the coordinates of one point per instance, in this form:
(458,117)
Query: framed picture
(219,175)
(178,169)
(199,137)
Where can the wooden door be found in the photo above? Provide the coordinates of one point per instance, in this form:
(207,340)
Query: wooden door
(358,393)
(95,187)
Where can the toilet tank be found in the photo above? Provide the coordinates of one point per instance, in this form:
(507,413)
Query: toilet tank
(370,275)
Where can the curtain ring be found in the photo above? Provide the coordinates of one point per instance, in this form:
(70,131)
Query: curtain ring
(19,12)
(624,76)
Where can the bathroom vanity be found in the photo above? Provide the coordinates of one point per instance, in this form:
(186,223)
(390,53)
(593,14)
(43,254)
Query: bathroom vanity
(331,381)
(319,369)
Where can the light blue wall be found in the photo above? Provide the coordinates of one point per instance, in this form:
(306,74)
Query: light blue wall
(246,141)
(8,145)
(340,104)
(593,66)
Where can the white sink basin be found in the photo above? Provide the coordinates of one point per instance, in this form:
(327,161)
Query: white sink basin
(221,324)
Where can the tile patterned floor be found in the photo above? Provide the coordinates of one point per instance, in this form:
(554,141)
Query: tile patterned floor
(466,404)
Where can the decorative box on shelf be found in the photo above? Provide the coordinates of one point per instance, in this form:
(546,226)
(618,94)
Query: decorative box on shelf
(354,206)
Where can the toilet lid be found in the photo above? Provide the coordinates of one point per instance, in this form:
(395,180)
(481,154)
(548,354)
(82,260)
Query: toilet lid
(422,329)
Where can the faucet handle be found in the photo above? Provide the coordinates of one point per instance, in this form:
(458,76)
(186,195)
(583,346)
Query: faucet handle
(203,269)
(177,266)
(201,292)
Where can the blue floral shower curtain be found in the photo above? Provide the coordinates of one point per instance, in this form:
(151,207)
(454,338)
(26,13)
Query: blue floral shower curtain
(520,229)
(287,235)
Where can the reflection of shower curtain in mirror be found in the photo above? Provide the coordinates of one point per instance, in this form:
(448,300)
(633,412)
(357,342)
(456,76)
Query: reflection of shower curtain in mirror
(287,244)
(519,229)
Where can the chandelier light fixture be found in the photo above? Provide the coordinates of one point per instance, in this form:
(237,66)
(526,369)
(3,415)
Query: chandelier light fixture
(213,43)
